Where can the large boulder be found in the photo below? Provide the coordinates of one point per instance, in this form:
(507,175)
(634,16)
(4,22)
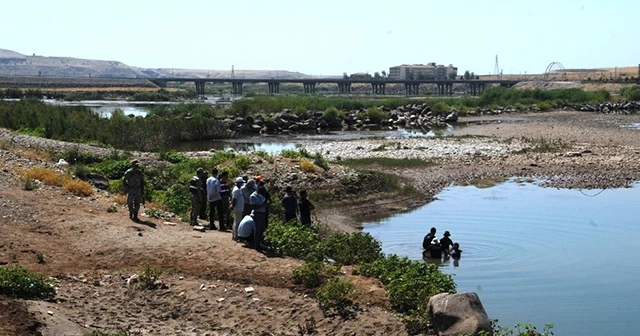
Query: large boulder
(455,314)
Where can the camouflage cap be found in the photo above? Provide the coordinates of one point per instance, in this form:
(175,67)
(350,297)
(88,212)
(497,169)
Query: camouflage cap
(134,162)
(200,171)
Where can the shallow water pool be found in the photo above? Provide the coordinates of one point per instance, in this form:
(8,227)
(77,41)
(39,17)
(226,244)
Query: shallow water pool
(536,255)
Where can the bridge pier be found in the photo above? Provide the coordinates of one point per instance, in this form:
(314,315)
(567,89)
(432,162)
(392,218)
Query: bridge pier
(236,88)
(199,87)
(378,88)
(411,88)
(274,87)
(476,88)
(309,88)
(344,87)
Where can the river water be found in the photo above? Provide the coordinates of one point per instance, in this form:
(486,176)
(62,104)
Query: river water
(536,255)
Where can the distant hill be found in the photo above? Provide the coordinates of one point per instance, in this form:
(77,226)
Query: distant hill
(16,64)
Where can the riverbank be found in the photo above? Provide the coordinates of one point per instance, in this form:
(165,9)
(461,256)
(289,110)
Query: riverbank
(92,252)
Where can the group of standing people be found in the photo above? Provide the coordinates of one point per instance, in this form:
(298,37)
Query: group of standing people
(435,248)
(248,201)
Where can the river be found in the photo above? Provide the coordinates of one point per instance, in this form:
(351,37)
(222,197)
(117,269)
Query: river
(536,255)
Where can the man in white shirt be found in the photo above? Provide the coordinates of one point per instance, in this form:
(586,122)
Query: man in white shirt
(237,206)
(247,230)
(215,201)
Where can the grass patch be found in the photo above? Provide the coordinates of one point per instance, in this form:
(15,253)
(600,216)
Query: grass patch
(78,187)
(387,162)
(543,146)
(55,178)
(21,283)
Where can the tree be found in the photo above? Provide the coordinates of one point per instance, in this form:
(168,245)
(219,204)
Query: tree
(467,75)
(452,75)
(384,73)
(345,76)
(376,75)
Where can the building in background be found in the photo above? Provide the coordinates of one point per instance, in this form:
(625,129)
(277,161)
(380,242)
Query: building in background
(429,71)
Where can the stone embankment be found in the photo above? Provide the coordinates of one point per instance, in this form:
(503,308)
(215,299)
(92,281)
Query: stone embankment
(624,107)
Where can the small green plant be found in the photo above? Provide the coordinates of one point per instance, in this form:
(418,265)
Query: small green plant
(19,282)
(309,274)
(28,183)
(112,208)
(80,171)
(242,162)
(39,258)
(332,115)
(334,297)
(149,276)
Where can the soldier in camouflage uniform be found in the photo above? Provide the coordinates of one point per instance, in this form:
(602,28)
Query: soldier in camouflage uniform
(197,201)
(133,183)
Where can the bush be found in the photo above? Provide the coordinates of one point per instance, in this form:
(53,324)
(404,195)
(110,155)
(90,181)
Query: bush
(320,161)
(172,156)
(375,115)
(292,239)
(307,166)
(242,163)
(80,171)
(75,156)
(334,296)
(409,283)
(111,169)
(332,115)
(309,274)
(78,187)
(352,248)
(45,175)
(19,282)
(116,186)
(177,198)
(631,93)
(440,108)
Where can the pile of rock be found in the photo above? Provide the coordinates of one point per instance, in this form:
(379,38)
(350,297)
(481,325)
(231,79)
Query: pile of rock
(624,107)
(411,116)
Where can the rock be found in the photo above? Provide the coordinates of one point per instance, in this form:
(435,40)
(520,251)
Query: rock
(248,290)
(572,154)
(132,279)
(98,181)
(199,228)
(455,314)
(452,117)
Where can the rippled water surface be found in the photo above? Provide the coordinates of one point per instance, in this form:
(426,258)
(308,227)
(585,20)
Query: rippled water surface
(537,255)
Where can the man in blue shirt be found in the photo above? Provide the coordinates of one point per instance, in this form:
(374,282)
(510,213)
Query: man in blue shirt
(259,205)
(215,201)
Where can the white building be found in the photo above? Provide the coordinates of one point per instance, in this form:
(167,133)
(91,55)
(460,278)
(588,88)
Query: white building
(429,71)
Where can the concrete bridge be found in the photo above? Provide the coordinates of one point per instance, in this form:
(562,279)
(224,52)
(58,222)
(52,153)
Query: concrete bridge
(378,85)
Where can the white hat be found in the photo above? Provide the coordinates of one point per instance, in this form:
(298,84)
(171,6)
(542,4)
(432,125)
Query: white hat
(434,241)
(239,180)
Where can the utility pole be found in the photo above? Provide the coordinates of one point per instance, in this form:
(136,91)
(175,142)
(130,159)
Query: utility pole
(497,69)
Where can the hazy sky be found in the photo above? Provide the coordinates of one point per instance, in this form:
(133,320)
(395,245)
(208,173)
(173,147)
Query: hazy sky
(329,37)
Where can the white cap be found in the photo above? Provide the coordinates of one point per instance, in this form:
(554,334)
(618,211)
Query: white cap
(239,180)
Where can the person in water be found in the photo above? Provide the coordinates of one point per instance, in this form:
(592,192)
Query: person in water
(446,243)
(429,238)
(456,252)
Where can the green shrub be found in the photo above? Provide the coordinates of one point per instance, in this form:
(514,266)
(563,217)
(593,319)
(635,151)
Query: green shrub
(242,163)
(440,107)
(19,282)
(177,198)
(292,239)
(111,169)
(309,274)
(409,283)
(116,186)
(332,115)
(320,161)
(352,248)
(75,156)
(334,296)
(375,115)
(631,93)
(81,171)
(172,156)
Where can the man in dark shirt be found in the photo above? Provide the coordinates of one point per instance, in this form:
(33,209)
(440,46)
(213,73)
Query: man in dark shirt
(225,196)
(446,243)
(305,207)
(290,204)
(428,238)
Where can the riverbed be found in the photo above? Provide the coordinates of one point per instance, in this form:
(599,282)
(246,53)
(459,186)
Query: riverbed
(535,255)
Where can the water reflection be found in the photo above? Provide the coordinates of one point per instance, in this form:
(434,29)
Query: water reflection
(526,246)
